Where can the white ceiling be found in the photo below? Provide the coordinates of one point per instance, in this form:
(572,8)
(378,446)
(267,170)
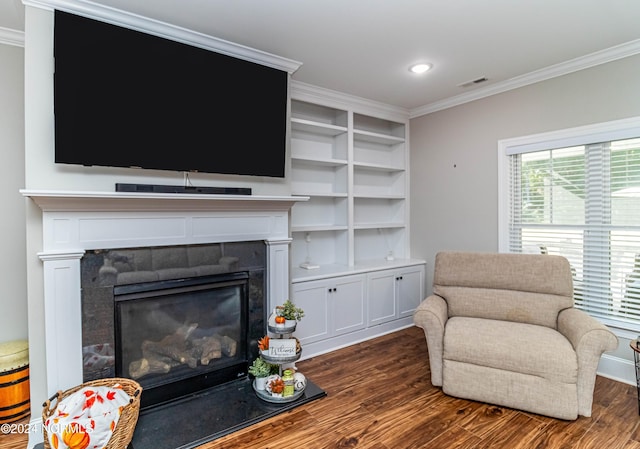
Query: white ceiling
(364,47)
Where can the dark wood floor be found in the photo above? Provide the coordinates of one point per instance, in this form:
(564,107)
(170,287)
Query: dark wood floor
(380,397)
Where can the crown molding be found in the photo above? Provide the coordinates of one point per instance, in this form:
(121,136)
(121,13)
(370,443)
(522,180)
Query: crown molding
(320,95)
(11,37)
(564,68)
(161,29)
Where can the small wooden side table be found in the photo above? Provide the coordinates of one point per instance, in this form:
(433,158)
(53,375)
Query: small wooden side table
(636,359)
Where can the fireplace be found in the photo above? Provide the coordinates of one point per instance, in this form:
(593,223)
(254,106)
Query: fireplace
(177,319)
(76,225)
(180,337)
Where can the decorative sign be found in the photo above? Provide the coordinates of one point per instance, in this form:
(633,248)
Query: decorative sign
(282,347)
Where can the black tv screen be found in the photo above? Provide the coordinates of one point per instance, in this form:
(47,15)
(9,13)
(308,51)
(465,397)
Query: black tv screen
(124,98)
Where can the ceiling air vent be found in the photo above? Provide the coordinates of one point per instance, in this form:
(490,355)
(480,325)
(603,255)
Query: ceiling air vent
(473,82)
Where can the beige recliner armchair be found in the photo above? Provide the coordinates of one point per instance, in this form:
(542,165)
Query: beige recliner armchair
(502,329)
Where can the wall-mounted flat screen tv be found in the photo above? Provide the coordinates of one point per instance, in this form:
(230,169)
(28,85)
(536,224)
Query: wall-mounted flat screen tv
(124,98)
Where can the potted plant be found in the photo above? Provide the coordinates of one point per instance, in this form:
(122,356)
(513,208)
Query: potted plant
(289,311)
(260,370)
(276,387)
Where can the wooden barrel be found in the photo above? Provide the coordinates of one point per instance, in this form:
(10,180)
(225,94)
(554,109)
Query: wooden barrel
(14,381)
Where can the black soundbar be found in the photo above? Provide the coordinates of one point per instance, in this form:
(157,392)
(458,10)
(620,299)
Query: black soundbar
(158,188)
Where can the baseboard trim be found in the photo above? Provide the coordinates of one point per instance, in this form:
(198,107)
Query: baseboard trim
(342,341)
(616,368)
(36,435)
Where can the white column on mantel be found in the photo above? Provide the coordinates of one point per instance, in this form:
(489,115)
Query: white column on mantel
(278,281)
(63,319)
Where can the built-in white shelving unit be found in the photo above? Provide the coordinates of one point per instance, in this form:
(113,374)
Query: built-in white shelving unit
(352,163)
(353,167)
(320,170)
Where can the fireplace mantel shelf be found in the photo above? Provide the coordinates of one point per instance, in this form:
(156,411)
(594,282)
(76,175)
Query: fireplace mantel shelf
(64,200)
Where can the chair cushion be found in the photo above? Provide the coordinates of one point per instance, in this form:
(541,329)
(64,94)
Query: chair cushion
(511,346)
(528,288)
(506,305)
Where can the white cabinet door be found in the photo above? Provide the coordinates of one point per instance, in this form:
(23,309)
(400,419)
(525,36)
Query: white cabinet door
(331,307)
(348,304)
(409,284)
(394,294)
(382,297)
(313,298)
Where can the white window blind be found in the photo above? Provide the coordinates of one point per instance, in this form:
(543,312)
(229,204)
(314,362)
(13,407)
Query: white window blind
(582,202)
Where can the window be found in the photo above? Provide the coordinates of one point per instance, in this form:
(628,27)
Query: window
(576,193)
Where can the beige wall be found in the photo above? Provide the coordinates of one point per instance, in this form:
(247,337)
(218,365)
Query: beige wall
(13,288)
(454,156)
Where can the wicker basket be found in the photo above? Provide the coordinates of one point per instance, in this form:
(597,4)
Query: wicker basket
(123,432)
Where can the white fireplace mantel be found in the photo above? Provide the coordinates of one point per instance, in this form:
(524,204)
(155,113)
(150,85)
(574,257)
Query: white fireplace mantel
(74,222)
(65,200)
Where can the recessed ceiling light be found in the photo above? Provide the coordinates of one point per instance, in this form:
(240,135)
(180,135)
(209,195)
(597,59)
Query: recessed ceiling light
(420,68)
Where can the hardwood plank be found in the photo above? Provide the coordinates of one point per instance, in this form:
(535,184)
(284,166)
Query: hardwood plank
(600,440)
(561,434)
(632,445)
(423,419)
(15,437)
(485,420)
(517,432)
(455,438)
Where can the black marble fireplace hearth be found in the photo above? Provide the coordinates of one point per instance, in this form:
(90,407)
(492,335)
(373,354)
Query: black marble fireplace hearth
(190,422)
(193,421)
(211,414)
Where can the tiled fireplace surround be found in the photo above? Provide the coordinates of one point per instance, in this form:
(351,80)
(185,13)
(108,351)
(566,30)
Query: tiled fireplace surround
(74,222)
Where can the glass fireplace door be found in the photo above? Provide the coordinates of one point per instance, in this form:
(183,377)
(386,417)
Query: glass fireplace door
(177,337)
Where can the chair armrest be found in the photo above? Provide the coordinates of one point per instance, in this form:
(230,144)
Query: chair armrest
(585,333)
(590,339)
(432,315)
